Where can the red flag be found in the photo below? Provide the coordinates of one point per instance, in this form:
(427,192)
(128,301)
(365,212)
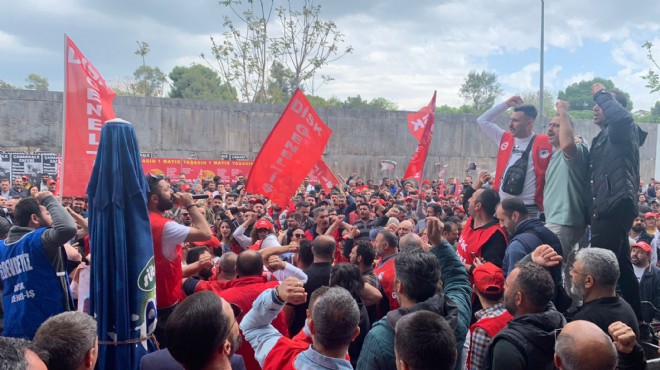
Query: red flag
(323,174)
(418,121)
(88,106)
(416,164)
(289,152)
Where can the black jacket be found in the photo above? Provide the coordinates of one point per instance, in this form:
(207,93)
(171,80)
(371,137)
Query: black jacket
(615,161)
(533,336)
(649,290)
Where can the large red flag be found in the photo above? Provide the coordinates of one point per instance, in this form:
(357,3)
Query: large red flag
(418,121)
(289,152)
(323,174)
(416,164)
(88,106)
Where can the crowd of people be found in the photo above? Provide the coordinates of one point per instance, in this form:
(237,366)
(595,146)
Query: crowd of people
(543,264)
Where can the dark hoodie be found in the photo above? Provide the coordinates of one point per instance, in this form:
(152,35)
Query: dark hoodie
(527,342)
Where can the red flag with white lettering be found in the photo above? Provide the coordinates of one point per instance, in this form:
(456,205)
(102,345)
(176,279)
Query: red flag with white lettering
(417,122)
(416,164)
(289,152)
(88,106)
(323,174)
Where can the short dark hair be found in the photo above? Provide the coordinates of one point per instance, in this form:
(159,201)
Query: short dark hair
(391,238)
(67,337)
(196,328)
(12,353)
(448,225)
(323,247)
(319,210)
(489,200)
(419,272)
(302,203)
(347,276)
(316,294)
(527,109)
(305,253)
(514,204)
(249,263)
(24,210)
(436,208)
(364,204)
(335,316)
(536,283)
(424,341)
(296,216)
(366,251)
(193,254)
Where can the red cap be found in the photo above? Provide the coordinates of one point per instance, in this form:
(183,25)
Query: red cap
(643,246)
(459,208)
(185,187)
(488,278)
(381,202)
(648,215)
(51,182)
(426,182)
(263,224)
(252,200)
(25,177)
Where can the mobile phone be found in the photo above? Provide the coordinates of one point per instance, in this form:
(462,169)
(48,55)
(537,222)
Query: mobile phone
(472,166)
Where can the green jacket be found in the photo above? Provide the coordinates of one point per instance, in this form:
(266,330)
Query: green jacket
(453,304)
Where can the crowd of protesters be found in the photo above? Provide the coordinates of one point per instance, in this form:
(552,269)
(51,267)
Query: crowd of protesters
(543,264)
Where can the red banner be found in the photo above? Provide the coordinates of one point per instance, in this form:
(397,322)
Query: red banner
(323,175)
(240,168)
(162,166)
(88,106)
(416,164)
(289,152)
(223,169)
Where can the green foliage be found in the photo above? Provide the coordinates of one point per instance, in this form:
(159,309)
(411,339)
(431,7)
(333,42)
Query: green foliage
(357,102)
(6,85)
(199,82)
(463,109)
(480,89)
(578,95)
(655,111)
(36,82)
(532,97)
(149,81)
(266,66)
(143,50)
(652,78)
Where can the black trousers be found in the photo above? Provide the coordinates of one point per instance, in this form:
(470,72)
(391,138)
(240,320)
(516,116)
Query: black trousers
(159,332)
(612,234)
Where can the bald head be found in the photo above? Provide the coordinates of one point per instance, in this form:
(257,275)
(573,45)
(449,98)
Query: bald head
(405,228)
(582,345)
(410,242)
(324,247)
(227,262)
(249,263)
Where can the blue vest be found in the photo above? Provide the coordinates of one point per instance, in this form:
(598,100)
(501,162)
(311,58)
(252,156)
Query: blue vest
(32,291)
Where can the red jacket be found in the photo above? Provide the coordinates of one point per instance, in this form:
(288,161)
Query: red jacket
(243,292)
(168,273)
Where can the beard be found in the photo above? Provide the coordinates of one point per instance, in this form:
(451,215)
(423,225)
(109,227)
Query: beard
(638,228)
(206,273)
(164,204)
(236,342)
(578,289)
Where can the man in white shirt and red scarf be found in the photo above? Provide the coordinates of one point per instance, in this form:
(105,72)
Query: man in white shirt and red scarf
(511,146)
(168,238)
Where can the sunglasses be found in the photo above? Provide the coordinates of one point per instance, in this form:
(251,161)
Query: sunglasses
(237,313)
(299,235)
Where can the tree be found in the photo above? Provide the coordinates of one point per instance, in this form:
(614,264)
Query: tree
(36,82)
(143,50)
(5,85)
(655,111)
(652,78)
(532,97)
(578,95)
(246,53)
(357,102)
(149,81)
(199,82)
(480,89)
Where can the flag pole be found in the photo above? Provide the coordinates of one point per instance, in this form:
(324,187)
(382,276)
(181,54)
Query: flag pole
(60,178)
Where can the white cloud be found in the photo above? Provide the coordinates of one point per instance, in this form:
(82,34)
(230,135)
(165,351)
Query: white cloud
(521,80)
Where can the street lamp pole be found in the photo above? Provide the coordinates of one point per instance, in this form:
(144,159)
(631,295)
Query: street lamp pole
(541,94)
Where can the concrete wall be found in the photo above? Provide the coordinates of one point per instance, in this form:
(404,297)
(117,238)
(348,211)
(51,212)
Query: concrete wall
(32,121)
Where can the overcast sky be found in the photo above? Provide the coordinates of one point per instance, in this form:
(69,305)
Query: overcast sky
(403,50)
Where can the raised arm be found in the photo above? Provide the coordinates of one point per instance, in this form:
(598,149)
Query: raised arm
(63,228)
(566,132)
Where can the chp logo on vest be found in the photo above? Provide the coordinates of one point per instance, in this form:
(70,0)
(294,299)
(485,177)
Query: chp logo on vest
(147,278)
(543,154)
(504,145)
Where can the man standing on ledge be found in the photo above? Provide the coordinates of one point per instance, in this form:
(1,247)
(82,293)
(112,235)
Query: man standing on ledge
(512,145)
(614,183)
(168,239)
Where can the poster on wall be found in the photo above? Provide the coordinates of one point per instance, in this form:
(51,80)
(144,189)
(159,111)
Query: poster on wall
(49,164)
(162,166)
(5,166)
(222,168)
(26,165)
(197,169)
(240,168)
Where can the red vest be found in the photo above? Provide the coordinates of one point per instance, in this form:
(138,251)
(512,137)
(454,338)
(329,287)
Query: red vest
(541,154)
(243,292)
(385,274)
(472,240)
(492,326)
(284,354)
(168,273)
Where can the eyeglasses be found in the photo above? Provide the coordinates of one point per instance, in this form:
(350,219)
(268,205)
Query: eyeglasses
(571,268)
(237,313)
(299,235)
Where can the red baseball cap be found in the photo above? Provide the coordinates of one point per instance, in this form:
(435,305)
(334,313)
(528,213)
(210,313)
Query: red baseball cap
(185,187)
(25,177)
(459,208)
(643,246)
(51,182)
(488,278)
(648,215)
(263,224)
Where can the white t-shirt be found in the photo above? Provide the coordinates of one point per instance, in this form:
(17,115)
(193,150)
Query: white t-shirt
(173,235)
(639,271)
(494,133)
